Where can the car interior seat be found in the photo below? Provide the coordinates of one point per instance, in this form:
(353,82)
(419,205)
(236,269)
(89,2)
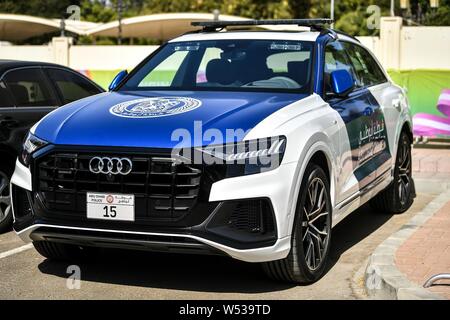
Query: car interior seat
(20,94)
(299,71)
(220,71)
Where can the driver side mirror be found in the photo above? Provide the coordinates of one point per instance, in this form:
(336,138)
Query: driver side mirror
(342,82)
(117,79)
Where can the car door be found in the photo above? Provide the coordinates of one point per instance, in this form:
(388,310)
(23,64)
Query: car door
(70,85)
(6,105)
(356,111)
(32,97)
(381,95)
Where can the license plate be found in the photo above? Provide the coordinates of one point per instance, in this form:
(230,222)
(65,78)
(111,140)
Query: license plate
(106,206)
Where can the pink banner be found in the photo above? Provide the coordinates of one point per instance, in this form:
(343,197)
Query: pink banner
(433,125)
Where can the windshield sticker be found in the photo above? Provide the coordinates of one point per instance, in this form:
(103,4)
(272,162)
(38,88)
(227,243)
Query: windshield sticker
(287,47)
(187,48)
(155,107)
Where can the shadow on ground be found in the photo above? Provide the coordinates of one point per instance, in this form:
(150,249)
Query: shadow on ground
(353,229)
(206,273)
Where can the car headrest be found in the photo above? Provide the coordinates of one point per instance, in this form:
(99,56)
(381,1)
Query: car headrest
(254,70)
(20,94)
(220,71)
(299,71)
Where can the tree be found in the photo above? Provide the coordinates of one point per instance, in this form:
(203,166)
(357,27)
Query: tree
(351,15)
(97,11)
(47,9)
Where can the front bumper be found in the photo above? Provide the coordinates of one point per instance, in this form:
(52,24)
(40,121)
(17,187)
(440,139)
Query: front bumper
(272,187)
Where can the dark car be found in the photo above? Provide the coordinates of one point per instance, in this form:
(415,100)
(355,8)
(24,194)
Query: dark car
(28,91)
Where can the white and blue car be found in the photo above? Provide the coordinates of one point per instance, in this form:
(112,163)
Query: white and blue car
(251,144)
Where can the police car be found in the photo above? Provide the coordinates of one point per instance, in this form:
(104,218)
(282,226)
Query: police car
(251,144)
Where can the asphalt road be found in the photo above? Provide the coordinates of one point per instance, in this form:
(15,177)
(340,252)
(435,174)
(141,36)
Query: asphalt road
(140,275)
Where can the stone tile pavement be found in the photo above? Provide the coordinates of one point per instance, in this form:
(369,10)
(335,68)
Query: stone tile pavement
(431,169)
(427,252)
(431,163)
(399,266)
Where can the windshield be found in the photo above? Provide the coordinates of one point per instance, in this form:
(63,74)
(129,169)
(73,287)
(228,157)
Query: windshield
(243,65)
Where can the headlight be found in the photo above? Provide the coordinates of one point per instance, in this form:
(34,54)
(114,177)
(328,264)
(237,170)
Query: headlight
(247,157)
(30,145)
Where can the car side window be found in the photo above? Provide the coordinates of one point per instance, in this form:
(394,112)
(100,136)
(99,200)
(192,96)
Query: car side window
(367,70)
(29,88)
(71,86)
(335,59)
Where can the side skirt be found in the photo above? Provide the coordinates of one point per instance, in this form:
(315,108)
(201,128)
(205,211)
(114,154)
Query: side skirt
(355,201)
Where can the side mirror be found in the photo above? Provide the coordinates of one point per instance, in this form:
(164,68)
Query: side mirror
(342,82)
(117,79)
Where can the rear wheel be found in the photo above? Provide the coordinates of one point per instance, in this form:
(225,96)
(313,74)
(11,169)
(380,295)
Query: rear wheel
(62,251)
(399,195)
(310,243)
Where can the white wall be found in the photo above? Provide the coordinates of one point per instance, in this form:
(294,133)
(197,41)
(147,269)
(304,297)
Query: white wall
(425,48)
(107,57)
(405,48)
(30,53)
(372,43)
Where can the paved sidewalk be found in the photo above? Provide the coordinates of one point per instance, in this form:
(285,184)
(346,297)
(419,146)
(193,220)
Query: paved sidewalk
(431,163)
(431,169)
(427,252)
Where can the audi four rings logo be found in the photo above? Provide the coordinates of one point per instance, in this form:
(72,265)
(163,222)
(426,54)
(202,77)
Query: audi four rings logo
(107,165)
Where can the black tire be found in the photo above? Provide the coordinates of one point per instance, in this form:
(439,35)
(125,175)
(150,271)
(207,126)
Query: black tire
(399,195)
(62,251)
(6,217)
(297,267)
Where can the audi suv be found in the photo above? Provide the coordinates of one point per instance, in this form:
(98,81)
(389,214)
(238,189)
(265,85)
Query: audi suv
(250,144)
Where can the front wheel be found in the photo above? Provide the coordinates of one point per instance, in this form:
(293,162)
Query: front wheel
(310,243)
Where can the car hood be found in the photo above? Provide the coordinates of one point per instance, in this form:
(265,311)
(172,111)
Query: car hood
(104,120)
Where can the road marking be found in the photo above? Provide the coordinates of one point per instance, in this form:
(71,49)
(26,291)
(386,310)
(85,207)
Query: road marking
(16,250)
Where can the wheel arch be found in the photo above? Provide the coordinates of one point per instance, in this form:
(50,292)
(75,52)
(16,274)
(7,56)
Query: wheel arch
(320,154)
(403,126)
(406,127)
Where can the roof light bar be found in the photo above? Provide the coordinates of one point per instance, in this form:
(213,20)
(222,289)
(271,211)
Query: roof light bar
(212,25)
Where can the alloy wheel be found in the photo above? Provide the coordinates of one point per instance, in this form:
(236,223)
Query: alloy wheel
(316,224)
(404,173)
(5,197)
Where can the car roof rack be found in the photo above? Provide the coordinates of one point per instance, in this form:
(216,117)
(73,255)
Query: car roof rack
(211,26)
(319,24)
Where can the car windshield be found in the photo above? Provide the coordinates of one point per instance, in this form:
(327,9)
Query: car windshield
(237,65)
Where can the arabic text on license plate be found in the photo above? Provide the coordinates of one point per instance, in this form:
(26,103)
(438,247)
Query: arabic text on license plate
(107,206)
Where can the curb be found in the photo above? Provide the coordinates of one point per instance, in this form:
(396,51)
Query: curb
(382,279)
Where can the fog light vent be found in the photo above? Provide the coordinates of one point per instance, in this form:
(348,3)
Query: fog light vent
(253,216)
(22,207)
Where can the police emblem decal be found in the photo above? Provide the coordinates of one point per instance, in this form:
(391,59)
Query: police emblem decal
(154,107)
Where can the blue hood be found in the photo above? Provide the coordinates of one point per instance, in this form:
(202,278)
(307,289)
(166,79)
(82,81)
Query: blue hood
(90,122)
